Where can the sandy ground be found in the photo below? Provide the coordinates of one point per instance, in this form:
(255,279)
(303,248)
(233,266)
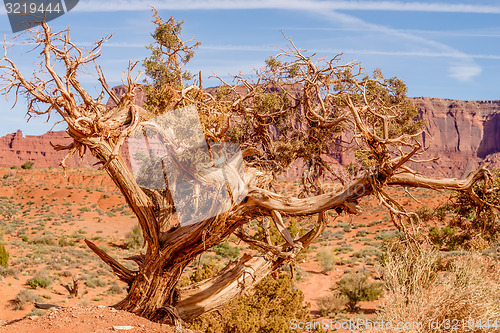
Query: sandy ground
(80,319)
(87,204)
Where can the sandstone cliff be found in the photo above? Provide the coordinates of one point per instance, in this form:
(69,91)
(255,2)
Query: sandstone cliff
(463,134)
(16,149)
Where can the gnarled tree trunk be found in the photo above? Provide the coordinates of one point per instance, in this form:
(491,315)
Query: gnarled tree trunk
(333,100)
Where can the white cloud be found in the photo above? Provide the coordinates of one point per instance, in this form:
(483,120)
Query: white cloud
(401,42)
(128,5)
(464,72)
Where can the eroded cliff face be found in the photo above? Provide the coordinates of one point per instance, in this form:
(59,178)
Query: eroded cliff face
(16,149)
(463,134)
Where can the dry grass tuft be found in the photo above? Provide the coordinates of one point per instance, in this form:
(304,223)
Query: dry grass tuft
(466,293)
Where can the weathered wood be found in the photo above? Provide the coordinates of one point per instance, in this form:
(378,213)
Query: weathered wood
(121,271)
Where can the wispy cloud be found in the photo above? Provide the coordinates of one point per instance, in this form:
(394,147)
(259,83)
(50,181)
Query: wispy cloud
(427,54)
(463,72)
(440,33)
(406,43)
(128,5)
(414,44)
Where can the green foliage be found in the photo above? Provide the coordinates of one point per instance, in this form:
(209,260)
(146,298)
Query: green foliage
(269,308)
(8,208)
(36,313)
(94,281)
(203,272)
(295,228)
(357,287)
(134,239)
(28,165)
(41,279)
(446,237)
(164,67)
(227,251)
(471,219)
(425,214)
(4,256)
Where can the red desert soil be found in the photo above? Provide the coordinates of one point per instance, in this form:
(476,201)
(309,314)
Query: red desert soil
(63,210)
(83,319)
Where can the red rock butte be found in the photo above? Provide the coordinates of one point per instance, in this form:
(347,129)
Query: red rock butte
(463,134)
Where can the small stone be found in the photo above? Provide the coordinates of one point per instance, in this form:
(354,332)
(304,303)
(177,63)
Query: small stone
(123,328)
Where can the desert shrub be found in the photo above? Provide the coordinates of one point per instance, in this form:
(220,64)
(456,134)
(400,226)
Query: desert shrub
(357,287)
(295,228)
(270,308)
(41,279)
(326,259)
(84,209)
(4,271)
(203,272)
(445,238)
(43,240)
(134,238)
(362,233)
(332,305)
(468,292)
(23,297)
(27,165)
(387,235)
(63,242)
(338,234)
(408,270)
(94,281)
(115,289)
(473,219)
(65,273)
(425,213)
(343,249)
(4,256)
(36,313)
(325,235)
(453,239)
(227,251)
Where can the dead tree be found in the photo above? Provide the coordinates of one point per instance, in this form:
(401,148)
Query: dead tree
(297,109)
(73,288)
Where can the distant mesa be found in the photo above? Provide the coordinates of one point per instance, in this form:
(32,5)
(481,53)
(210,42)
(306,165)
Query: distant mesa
(16,149)
(462,134)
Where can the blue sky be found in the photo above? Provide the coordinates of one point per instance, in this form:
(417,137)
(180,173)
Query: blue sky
(447,49)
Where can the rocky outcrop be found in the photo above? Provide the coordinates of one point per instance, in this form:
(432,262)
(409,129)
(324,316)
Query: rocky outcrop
(462,134)
(16,149)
